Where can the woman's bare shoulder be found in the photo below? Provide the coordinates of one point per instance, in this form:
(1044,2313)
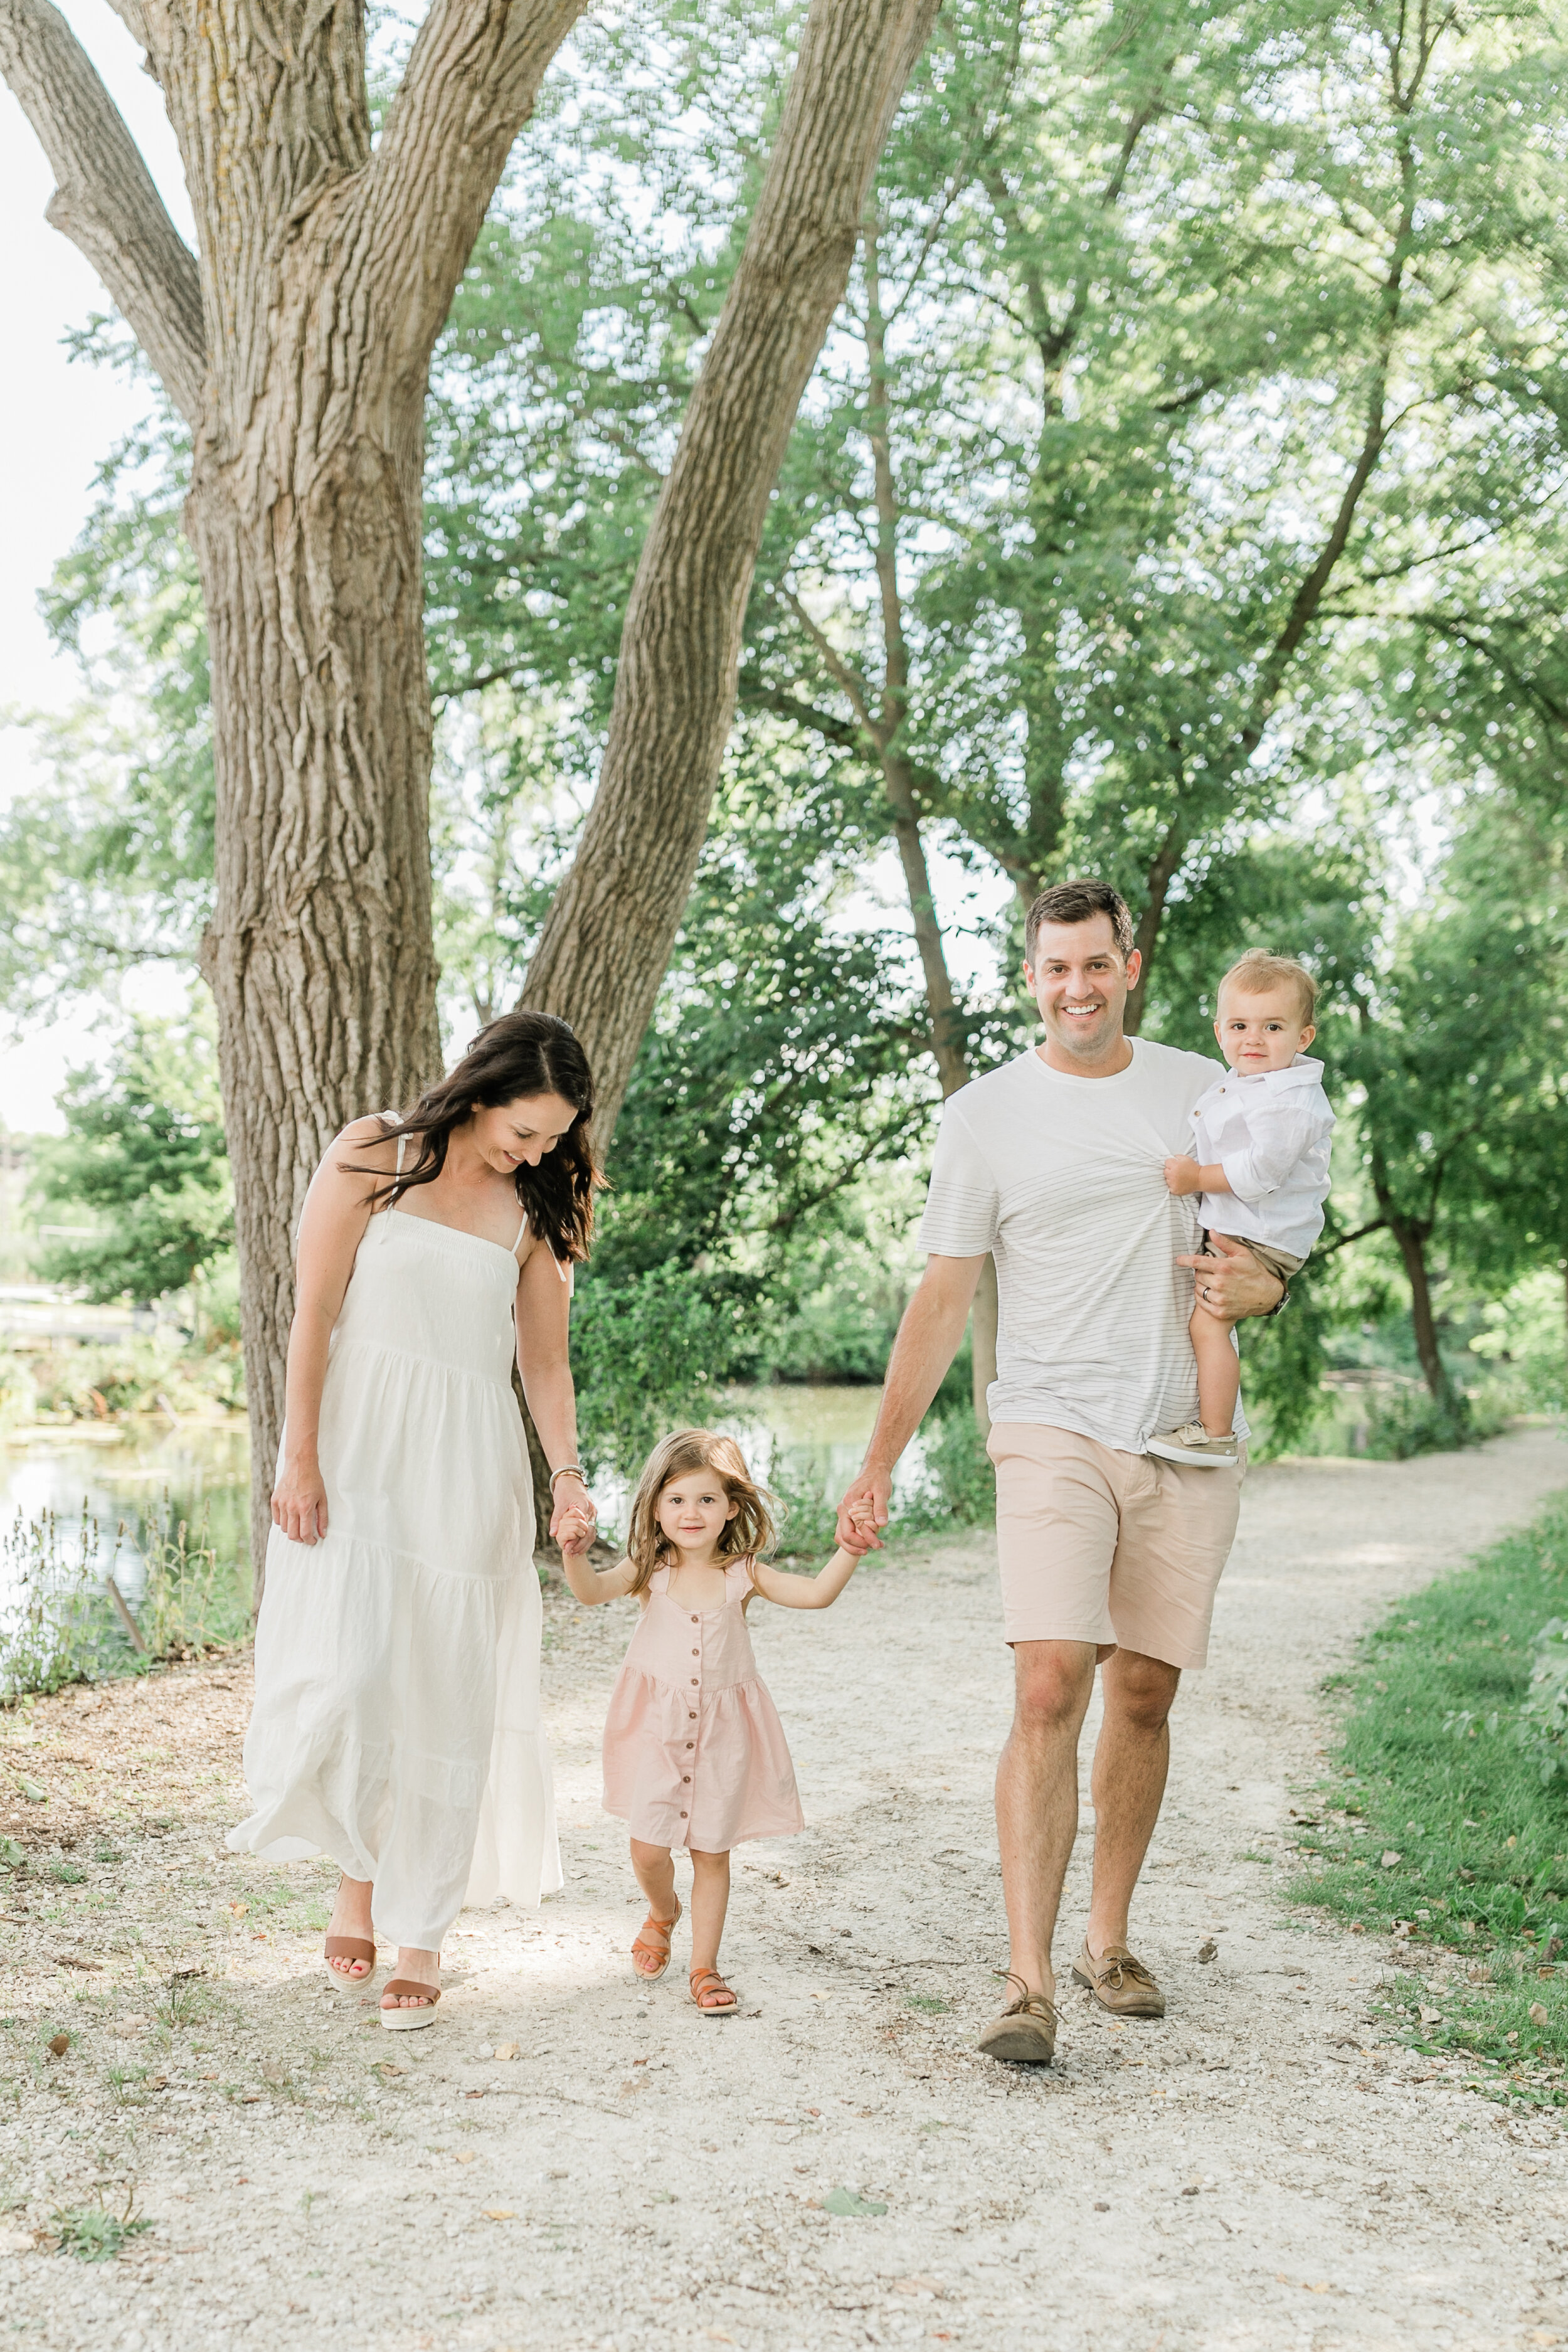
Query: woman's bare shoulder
(362,1146)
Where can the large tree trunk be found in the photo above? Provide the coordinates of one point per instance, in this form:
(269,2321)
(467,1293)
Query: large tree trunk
(320,954)
(609,932)
(295,343)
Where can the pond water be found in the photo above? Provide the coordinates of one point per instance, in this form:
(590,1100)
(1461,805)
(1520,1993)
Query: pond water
(134,1471)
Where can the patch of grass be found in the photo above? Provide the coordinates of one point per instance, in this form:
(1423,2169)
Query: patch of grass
(1511,2016)
(926,2004)
(1460,1841)
(96,2233)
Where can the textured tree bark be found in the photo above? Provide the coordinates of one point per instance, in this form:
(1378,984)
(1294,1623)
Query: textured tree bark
(297,345)
(609,933)
(1412,1243)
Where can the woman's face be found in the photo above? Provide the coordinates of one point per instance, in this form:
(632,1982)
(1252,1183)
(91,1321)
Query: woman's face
(520,1133)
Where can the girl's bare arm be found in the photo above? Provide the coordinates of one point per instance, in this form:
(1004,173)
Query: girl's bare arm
(336,1213)
(591,1584)
(818,1591)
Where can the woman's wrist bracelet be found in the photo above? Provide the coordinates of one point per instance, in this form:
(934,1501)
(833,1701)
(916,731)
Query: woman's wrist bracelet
(567,1470)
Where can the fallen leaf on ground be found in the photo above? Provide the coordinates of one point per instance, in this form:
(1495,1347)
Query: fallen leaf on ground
(464,2156)
(506,2050)
(499,2213)
(1208,1949)
(1539,2014)
(1389,1859)
(917,2286)
(845,2202)
(59,2044)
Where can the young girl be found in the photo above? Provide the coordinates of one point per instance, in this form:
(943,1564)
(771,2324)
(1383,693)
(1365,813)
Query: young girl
(694,1750)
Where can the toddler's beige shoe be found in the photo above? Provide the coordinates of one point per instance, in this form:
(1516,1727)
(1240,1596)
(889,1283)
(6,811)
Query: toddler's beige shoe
(1192,1445)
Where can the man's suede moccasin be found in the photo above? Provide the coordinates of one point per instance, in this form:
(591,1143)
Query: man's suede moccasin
(1119,1982)
(1025,2032)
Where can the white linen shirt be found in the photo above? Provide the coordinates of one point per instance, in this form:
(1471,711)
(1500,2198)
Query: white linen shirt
(1270,1134)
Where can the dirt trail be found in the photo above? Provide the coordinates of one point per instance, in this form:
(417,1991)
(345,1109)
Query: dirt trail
(1260,2171)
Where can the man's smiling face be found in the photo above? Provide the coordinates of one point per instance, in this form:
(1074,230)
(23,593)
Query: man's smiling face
(1080,984)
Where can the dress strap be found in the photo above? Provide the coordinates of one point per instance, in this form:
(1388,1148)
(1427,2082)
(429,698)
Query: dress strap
(521,1231)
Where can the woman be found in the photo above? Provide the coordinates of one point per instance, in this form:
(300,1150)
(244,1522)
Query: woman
(396,1719)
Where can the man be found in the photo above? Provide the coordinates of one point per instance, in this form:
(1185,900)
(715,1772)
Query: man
(1056,1164)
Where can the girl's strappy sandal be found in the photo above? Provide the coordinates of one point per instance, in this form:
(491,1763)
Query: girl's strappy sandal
(656,1952)
(712,1994)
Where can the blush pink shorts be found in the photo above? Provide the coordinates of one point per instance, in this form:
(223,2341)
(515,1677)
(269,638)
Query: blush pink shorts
(1120,1550)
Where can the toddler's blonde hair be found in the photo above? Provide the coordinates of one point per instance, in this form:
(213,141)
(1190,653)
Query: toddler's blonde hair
(1257,971)
(752,1531)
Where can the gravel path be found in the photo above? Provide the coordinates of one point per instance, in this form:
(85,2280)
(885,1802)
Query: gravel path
(571,2160)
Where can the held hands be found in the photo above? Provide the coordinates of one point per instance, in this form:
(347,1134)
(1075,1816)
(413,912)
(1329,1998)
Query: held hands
(574,1531)
(573,1520)
(863,1510)
(300,1501)
(1183,1176)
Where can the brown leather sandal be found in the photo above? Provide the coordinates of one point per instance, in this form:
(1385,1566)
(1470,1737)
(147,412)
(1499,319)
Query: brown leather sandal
(349,1948)
(650,1927)
(408,2021)
(712,1994)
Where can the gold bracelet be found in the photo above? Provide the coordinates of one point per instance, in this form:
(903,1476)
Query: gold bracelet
(567,1470)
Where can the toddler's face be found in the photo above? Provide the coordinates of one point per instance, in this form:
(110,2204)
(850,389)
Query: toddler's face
(1261,1033)
(693,1511)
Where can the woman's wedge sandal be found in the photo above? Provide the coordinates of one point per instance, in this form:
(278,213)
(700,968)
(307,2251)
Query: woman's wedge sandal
(645,1948)
(712,1994)
(408,2021)
(349,1948)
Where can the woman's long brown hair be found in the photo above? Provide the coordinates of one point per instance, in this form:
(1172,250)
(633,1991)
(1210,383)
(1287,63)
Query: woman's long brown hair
(521,1055)
(750,1530)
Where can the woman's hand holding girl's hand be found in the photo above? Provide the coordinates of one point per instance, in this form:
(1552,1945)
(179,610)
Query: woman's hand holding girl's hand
(571,1502)
(300,1500)
(576,1532)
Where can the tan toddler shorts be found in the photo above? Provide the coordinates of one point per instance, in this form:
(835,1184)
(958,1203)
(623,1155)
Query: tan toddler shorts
(1120,1549)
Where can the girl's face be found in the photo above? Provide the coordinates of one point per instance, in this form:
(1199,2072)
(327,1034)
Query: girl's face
(693,1511)
(522,1133)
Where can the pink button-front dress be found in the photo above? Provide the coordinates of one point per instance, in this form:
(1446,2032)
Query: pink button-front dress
(695,1754)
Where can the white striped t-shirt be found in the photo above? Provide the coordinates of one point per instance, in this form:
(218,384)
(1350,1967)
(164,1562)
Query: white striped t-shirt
(1063,1178)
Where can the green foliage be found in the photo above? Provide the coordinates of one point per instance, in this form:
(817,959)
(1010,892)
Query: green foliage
(1544,1710)
(97,1382)
(144,1152)
(97,2234)
(1433,1769)
(55,1625)
(644,1353)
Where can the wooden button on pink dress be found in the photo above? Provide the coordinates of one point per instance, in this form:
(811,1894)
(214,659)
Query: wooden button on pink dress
(695,1754)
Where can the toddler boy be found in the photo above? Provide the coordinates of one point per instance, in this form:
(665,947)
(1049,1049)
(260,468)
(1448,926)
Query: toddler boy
(1262,1167)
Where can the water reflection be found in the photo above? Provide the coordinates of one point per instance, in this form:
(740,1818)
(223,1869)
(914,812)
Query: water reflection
(123,1473)
(810,1440)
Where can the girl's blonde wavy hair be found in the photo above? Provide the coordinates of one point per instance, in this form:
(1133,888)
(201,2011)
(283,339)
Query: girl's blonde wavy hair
(752,1531)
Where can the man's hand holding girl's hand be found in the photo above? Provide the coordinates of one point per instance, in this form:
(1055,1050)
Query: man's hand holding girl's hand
(1183,1176)
(863,1510)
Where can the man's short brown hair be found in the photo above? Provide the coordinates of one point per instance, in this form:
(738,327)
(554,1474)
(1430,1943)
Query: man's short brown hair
(1079,902)
(1258,973)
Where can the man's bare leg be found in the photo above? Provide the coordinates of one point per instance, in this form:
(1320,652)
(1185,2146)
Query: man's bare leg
(1131,1757)
(1036,1797)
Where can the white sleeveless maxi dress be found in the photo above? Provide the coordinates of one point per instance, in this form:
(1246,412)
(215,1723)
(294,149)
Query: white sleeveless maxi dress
(396,1722)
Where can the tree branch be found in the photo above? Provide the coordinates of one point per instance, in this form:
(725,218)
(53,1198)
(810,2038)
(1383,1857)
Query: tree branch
(469,85)
(104,200)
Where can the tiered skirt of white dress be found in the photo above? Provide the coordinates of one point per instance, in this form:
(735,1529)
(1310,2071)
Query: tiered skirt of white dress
(396,1725)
